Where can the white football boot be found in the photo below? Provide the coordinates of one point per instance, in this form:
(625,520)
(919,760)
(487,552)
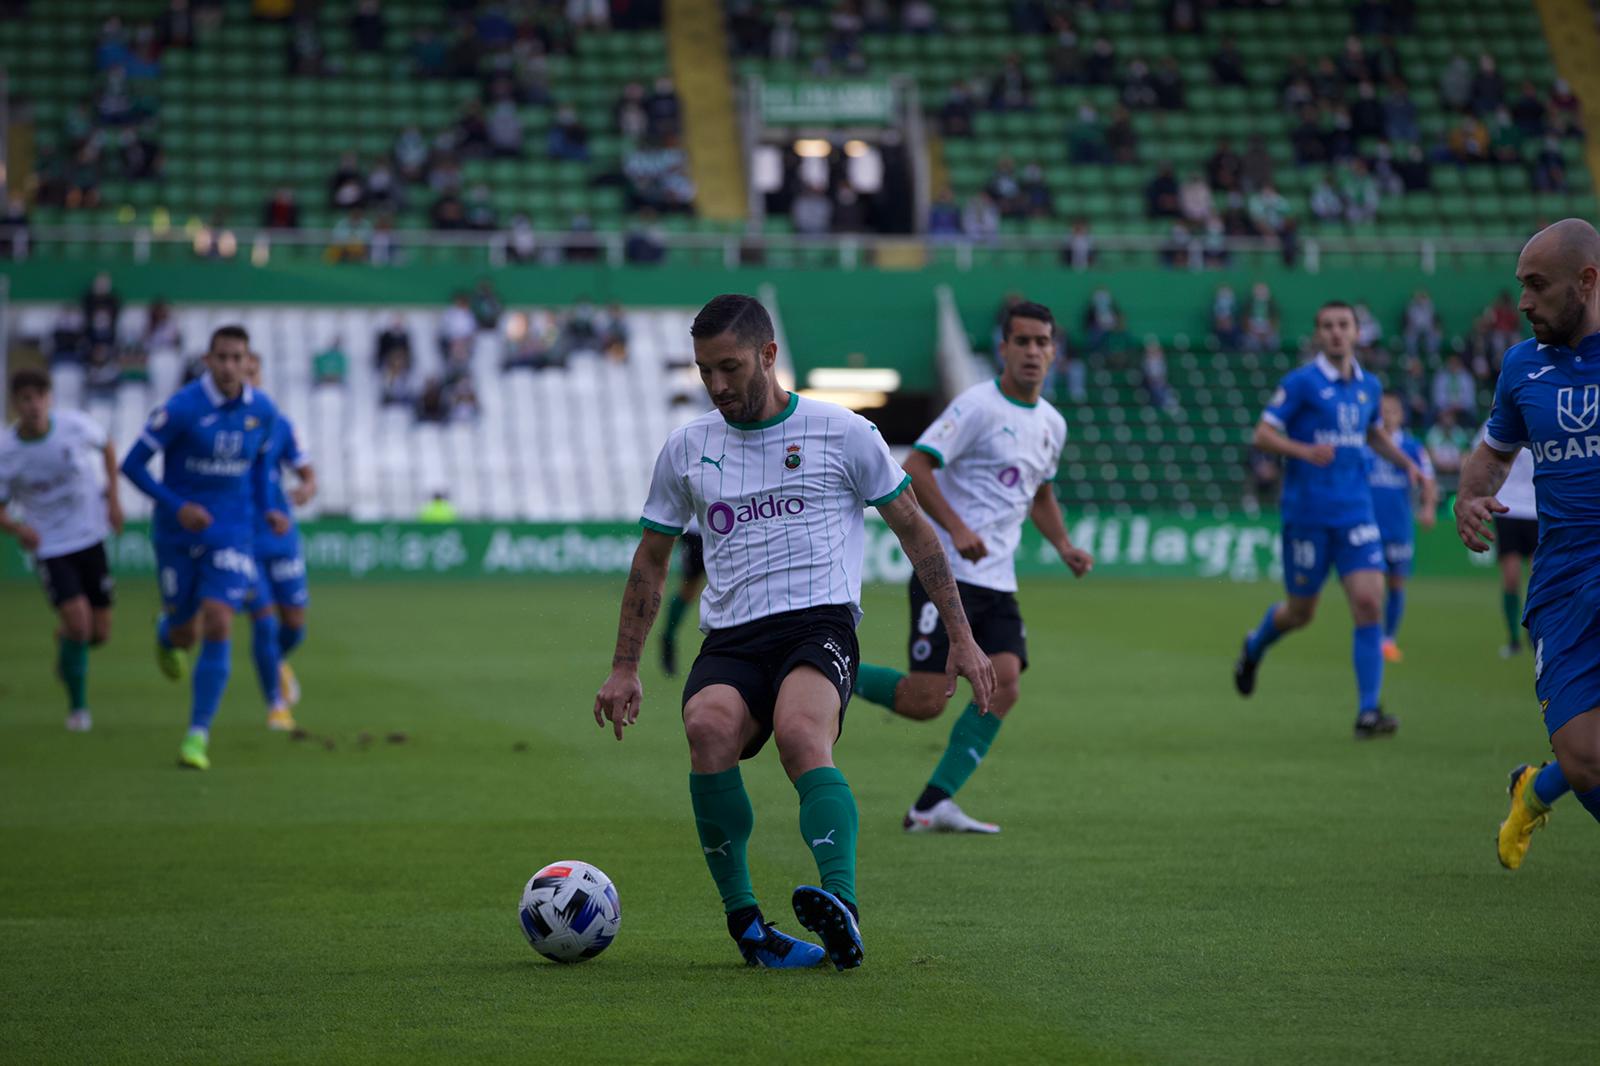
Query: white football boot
(945,817)
(79,721)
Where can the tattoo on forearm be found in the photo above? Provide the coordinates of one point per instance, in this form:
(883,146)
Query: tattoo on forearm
(641,601)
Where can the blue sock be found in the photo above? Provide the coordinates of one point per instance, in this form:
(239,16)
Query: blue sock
(210,678)
(1393,610)
(1551,784)
(163,631)
(1591,802)
(289,638)
(1266,634)
(1366,651)
(264,647)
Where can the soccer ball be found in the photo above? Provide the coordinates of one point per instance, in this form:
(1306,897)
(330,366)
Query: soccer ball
(570,911)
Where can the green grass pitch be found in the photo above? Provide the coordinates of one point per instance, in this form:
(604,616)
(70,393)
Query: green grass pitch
(1183,876)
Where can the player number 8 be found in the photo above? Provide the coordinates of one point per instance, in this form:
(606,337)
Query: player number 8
(929,620)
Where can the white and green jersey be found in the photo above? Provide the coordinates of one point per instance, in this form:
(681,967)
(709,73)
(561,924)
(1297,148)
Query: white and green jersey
(52,480)
(779,505)
(993,454)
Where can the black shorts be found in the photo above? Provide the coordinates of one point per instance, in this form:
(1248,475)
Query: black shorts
(756,657)
(83,573)
(694,557)
(1515,536)
(995,618)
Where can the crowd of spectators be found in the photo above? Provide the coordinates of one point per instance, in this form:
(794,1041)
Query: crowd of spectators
(110,348)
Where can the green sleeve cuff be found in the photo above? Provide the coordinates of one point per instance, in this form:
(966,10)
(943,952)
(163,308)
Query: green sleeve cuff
(659,528)
(930,450)
(889,498)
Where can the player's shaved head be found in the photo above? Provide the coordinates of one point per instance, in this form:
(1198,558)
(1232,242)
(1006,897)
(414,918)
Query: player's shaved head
(1559,270)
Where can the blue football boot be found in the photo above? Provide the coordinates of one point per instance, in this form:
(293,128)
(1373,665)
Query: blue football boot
(763,945)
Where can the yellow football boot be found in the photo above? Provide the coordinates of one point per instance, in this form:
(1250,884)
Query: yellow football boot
(1527,814)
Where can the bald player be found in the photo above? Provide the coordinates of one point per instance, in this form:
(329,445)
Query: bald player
(1548,401)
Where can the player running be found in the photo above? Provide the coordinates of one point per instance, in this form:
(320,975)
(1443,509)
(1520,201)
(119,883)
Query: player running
(692,559)
(280,570)
(778,484)
(1323,418)
(1516,537)
(213,434)
(45,466)
(986,464)
(1548,401)
(1392,502)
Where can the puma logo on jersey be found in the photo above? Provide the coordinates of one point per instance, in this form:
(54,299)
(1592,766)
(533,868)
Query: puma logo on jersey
(717,462)
(817,843)
(1535,375)
(1009,431)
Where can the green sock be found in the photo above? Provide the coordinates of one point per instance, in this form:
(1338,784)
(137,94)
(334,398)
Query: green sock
(72,663)
(876,684)
(724,819)
(1508,604)
(970,738)
(676,609)
(828,826)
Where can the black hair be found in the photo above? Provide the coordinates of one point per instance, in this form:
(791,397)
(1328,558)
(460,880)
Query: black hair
(28,378)
(234,333)
(1335,305)
(1026,309)
(743,316)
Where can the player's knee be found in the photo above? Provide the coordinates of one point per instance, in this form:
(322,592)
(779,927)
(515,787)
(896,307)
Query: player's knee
(919,703)
(75,621)
(99,630)
(1296,614)
(713,733)
(216,621)
(1005,696)
(1367,609)
(802,750)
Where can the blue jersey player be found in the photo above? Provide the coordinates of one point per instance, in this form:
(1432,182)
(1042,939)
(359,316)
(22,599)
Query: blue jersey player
(278,602)
(1392,503)
(1322,419)
(1548,401)
(212,434)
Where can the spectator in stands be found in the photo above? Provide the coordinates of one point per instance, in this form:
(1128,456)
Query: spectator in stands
(463,401)
(1066,54)
(444,170)
(812,210)
(1227,64)
(1122,141)
(1226,326)
(1101,66)
(1261,320)
(486,306)
(1505,139)
(1310,145)
(1181,251)
(1138,91)
(82,179)
(1103,324)
(1447,442)
(281,212)
(569,137)
(643,246)
(1369,332)
(849,213)
(330,366)
(102,309)
(1505,325)
(438,510)
(1185,17)
(1358,191)
(784,43)
(1386,172)
(1225,168)
(1086,138)
(304,51)
(393,341)
(410,154)
(457,327)
(919,17)
(1154,366)
(1420,328)
(504,131)
(1454,390)
(531,341)
(1528,110)
(663,110)
(1488,89)
(1366,112)
(944,216)
(433,404)
(448,213)
(611,328)
(382,191)
(1352,63)
(1037,199)
(1565,108)
(394,380)
(1167,81)
(161,329)
(582,246)
(1549,167)
(1265,473)
(347,188)
(1325,203)
(1194,198)
(1011,89)
(955,115)
(479,211)
(1079,251)
(980,218)
(522,245)
(1455,84)
(1369,17)
(1400,123)
(367,26)
(381,251)
(1161,194)
(429,57)
(1006,190)
(1267,210)
(352,238)
(633,121)
(138,153)
(175,27)
(658,177)
(1412,167)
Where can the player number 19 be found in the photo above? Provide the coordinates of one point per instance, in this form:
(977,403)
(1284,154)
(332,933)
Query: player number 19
(1305,553)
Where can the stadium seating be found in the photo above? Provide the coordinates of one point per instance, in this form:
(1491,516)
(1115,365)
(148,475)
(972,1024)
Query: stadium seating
(548,445)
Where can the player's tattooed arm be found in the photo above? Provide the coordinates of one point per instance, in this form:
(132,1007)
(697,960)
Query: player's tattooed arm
(922,547)
(1481,477)
(619,698)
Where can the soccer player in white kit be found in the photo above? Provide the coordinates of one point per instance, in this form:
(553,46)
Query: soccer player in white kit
(46,466)
(1516,536)
(985,465)
(778,484)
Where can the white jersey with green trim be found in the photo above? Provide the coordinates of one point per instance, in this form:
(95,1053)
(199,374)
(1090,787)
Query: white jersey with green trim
(779,505)
(53,480)
(993,454)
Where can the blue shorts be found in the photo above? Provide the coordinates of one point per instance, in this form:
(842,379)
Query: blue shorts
(1398,556)
(1566,656)
(189,574)
(1308,552)
(281,580)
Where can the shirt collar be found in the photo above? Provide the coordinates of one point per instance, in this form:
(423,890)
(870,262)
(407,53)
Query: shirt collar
(1331,372)
(214,394)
